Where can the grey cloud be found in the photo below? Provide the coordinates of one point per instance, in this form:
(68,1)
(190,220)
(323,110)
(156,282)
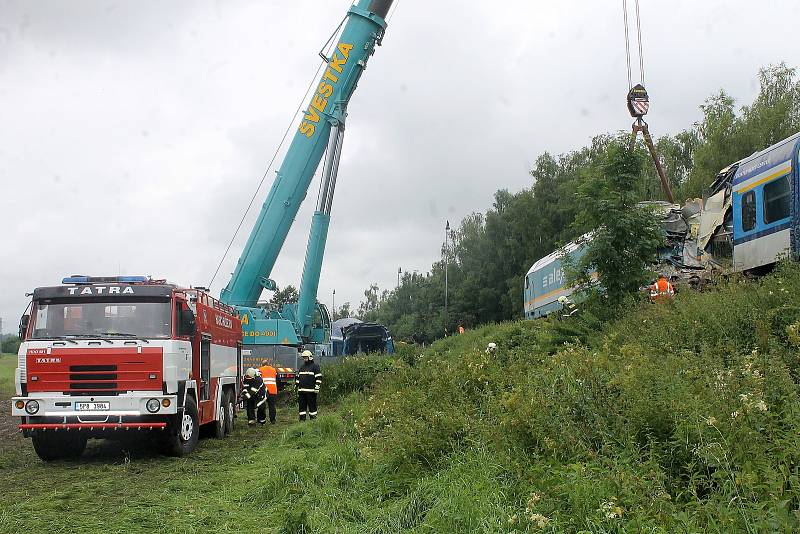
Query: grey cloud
(136,132)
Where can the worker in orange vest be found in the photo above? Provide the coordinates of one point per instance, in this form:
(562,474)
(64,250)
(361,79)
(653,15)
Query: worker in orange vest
(270,377)
(662,289)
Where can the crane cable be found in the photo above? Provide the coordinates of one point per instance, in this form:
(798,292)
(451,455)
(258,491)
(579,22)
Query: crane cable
(639,38)
(639,102)
(627,42)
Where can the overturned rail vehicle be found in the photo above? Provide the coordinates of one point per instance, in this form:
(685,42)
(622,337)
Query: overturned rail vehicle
(749,220)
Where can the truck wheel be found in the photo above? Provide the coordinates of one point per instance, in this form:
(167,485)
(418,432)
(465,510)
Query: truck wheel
(230,410)
(185,431)
(222,416)
(50,446)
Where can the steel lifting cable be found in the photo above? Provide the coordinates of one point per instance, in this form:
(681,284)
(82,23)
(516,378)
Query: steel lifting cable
(392,12)
(639,37)
(627,42)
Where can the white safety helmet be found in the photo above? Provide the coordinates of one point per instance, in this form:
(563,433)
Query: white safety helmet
(491,347)
(250,373)
(562,299)
(307,354)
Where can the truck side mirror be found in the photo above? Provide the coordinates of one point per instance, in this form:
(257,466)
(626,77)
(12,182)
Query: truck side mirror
(188,326)
(23,326)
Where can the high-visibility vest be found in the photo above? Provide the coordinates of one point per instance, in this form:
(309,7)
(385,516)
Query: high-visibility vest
(662,288)
(270,379)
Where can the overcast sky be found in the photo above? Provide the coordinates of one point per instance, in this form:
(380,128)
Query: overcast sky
(134,133)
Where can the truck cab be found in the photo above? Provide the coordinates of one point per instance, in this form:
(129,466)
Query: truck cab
(102,355)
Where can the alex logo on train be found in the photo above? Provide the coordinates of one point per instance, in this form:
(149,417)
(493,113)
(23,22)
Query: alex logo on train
(556,277)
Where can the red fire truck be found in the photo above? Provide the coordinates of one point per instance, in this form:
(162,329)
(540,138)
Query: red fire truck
(104,355)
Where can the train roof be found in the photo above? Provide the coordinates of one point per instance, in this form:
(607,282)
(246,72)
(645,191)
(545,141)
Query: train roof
(766,159)
(570,247)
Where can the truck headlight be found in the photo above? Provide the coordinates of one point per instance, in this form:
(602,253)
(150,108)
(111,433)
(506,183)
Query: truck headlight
(31,407)
(153,405)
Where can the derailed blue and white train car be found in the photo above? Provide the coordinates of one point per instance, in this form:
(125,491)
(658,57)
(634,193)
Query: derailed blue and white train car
(766,206)
(764,195)
(545,280)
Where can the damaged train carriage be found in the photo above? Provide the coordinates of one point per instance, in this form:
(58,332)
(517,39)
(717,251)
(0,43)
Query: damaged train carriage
(749,220)
(545,281)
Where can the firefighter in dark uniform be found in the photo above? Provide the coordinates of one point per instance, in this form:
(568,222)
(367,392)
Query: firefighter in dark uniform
(309,380)
(254,397)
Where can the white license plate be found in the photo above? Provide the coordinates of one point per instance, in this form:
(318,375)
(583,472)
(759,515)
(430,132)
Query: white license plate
(92,406)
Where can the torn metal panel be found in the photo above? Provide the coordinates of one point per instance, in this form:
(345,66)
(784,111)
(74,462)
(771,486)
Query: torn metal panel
(713,216)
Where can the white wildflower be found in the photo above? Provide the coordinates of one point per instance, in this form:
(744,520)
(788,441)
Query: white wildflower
(711,421)
(610,510)
(761,406)
(539,520)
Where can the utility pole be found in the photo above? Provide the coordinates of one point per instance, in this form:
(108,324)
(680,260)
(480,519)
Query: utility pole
(399,270)
(333,304)
(446,231)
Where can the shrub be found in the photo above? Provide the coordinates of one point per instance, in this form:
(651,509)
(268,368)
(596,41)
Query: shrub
(351,374)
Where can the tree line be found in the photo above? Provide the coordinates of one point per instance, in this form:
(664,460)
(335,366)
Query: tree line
(489,253)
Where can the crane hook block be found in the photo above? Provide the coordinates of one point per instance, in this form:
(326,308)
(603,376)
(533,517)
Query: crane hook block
(638,101)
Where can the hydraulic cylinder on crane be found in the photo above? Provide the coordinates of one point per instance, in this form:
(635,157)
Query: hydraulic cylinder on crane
(321,131)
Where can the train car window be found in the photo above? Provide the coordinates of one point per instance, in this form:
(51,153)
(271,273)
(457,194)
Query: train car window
(527,282)
(749,211)
(776,200)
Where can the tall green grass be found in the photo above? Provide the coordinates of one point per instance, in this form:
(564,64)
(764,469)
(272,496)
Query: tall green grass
(681,416)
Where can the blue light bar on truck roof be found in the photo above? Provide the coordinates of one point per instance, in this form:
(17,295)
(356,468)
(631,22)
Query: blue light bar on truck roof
(104,279)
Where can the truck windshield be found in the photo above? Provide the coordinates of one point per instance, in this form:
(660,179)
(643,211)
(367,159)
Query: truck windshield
(64,318)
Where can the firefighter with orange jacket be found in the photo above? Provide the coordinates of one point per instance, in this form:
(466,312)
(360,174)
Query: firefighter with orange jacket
(309,380)
(661,289)
(270,377)
(254,397)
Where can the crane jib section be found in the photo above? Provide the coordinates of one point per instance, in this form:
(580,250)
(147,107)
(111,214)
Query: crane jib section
(325,90)
(327,109)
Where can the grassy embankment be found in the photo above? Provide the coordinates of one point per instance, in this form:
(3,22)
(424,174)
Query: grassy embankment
(681,417)
(8,362)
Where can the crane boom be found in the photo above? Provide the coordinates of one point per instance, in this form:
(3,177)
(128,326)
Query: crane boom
(326,110)
(276,334)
